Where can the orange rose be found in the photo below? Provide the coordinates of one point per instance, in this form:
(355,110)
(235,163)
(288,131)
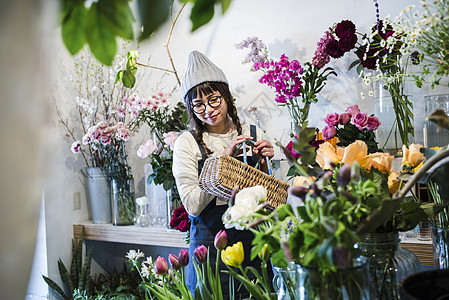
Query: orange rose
(378,160)
(393,182)
(326,155)
(356,151)
(412,156)
(303,181)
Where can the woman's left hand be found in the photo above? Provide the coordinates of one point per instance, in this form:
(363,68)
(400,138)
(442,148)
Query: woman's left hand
(264,148)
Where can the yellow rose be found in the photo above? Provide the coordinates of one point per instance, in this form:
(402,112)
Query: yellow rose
(412,156)
(356,151)
(326,155)
(393,182)
(378,160)
(233,255)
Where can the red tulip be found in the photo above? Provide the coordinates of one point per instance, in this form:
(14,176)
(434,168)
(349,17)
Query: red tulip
(174,261)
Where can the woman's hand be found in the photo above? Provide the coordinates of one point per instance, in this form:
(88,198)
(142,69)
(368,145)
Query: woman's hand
(231,146)
(264,148)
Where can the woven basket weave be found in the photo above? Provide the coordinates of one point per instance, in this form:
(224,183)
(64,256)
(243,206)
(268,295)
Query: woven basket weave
(220,174)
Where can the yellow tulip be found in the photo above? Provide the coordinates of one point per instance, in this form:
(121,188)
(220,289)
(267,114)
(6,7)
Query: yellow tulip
(233,255)
(264,253)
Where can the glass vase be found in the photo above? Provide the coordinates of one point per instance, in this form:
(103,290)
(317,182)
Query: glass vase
(432,136)
(440,247)
(394,109)
(122,197)
(388,263)
(173,201)
(286,283)
(345,283)
(143,218)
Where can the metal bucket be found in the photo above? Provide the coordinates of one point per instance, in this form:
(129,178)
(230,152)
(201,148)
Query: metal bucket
(98,193)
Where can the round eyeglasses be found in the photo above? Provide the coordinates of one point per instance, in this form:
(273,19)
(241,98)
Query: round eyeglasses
(200,107)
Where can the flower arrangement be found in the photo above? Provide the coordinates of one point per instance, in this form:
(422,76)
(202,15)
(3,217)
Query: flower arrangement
(350,126)
(425,32)
(289,79)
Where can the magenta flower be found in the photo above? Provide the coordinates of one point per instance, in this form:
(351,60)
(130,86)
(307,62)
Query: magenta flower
(332,119)
(174,262)
(373,123)
(76,147)
(161,266)
(345,118)
(329,132)
(221,240)
(321,57)
(184,257)
(201,254)
(360,120)
(289,147)
(352,110)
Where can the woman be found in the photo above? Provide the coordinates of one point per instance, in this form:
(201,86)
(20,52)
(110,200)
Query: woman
(216,130)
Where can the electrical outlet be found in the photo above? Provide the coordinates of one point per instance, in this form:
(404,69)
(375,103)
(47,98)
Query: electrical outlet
(76,200)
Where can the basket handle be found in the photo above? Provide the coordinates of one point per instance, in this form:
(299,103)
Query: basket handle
(245,158)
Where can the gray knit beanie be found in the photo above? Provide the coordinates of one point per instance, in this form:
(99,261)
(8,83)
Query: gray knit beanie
(200,69)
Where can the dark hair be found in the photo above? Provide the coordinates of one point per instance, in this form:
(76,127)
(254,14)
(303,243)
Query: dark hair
(206,88)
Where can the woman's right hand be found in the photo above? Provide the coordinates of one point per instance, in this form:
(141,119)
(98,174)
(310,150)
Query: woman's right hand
(231,146)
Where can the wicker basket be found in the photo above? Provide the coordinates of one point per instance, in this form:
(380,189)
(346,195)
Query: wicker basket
(220,174)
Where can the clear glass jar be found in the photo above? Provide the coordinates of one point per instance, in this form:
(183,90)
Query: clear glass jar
(432,136)
(388,263)
(440,247)
(286,283)
(143,218)
(122,201)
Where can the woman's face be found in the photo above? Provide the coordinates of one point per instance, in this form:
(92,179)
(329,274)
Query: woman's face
(211,109)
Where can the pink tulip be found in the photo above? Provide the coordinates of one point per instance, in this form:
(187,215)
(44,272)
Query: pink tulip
(183,257)
(221,240)
(201,254)
(174,262)
(161,266)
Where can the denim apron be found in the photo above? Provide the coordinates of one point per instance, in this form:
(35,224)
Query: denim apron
(204,228)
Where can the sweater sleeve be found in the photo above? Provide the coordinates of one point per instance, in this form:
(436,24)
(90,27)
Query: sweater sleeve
(185,170)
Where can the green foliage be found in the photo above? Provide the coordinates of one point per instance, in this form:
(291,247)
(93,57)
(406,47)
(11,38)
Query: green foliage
(349,133)
(100,24)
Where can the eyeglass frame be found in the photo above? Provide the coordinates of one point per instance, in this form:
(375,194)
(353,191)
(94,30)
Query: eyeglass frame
(208,103)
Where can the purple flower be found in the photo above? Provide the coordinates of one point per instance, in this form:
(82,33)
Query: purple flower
(347,42)
(174,262)
(332,119)
(184,257)
(352,110)
(360,120)
(221,240)
(161,266)
(345,118)
(321,57)
(344,175)
(373,123)
(201,254)
(329,132)
(289,147)
(344,27)
(76,147)
(333,49)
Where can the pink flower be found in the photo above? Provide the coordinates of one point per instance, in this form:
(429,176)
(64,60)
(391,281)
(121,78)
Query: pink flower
(161,266)
(373,123)
(345,118)
(329,132)
(360,120)
(76,147)
(121,112)
(184,257)
(352,110)
(289,147)
(174,262)
(170,139)
(146,149)
(201,254)
(332,119)
(221,240)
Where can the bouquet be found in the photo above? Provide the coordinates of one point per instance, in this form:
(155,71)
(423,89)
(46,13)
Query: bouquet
(350,126)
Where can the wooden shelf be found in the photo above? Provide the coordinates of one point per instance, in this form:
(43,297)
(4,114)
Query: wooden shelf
(422,249)
(132,234)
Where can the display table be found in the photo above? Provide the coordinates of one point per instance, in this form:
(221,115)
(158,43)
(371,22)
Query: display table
(131,234)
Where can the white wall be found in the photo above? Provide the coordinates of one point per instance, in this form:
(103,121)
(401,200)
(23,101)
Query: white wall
(292,27)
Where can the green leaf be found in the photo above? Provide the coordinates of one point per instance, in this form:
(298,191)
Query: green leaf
(119,76)
(117,16)
(73,28)
(225,5)
(152,14)
(128,79)
(379,216)
(285,211)
(100,38)
(55,287)
(202,13)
